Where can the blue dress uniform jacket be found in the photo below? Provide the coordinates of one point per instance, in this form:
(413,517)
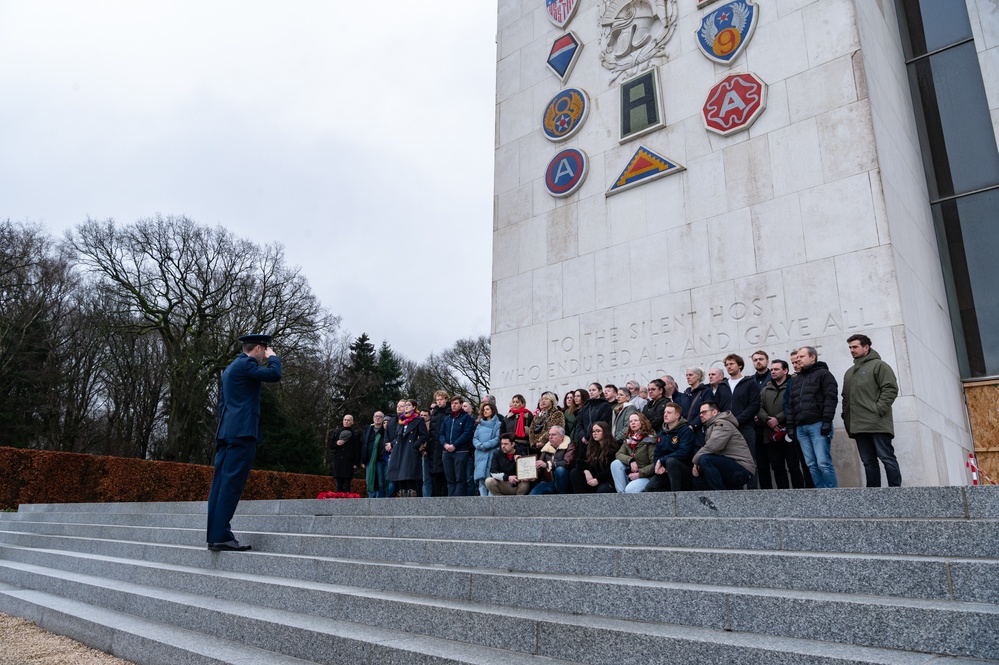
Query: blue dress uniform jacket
(239,403)
(236,439)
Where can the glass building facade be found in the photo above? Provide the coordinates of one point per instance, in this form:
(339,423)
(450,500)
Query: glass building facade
(962,170)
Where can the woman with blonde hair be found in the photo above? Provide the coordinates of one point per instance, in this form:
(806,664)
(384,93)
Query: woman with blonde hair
(547,416)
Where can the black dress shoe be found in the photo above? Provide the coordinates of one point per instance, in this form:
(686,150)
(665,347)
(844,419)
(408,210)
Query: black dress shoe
(230,546)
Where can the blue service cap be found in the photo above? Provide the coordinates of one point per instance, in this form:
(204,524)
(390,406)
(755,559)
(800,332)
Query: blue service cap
(256,338)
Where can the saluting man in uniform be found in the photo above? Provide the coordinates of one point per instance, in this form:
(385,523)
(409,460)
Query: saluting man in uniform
(238,435)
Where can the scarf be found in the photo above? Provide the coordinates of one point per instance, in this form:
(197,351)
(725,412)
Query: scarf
(369,477)
(520,433)
(633,441)
(409,417)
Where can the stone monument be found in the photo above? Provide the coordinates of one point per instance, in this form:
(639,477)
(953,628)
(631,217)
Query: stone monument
(677,180)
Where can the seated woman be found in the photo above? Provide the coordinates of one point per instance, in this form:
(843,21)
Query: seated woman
(548,416)
(554,463)
(635,461)
(592,475)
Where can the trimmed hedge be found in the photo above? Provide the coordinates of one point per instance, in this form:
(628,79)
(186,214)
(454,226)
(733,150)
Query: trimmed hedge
(41,476)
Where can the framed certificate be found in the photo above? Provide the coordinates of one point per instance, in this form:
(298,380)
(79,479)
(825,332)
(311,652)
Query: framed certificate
(527,468)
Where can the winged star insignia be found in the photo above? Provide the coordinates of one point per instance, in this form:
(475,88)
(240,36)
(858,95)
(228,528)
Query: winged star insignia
(565,114)
(725,32)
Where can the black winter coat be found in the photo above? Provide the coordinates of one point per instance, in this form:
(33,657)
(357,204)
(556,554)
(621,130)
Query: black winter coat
(813,396)
(654,412)
(344,458)
(595,411)
(434,449)
(406,462)
(746,401)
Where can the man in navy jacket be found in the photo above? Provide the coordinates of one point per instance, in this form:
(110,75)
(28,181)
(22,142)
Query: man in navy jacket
(674,452)
(237,435)
(456,440)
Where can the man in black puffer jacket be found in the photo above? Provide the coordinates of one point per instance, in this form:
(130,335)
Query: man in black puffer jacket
(814,393)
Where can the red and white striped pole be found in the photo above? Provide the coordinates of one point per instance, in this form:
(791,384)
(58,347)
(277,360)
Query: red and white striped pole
(974,468)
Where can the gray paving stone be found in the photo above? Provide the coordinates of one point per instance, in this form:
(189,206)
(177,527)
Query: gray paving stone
(960,538)
(935,627)
(885,502)
(983,501)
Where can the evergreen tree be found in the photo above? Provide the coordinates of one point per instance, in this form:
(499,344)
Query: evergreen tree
(356,390)
(390,374)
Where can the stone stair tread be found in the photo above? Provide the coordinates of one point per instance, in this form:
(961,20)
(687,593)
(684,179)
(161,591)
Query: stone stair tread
(141,632)
(871,599)
(226,651)
(453,651)
(477,612)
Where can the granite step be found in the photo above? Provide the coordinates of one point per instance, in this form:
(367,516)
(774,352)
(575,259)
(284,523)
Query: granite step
(311,534)
(929,578)
(229,641)
(945,627)
(510,628)
(883,502)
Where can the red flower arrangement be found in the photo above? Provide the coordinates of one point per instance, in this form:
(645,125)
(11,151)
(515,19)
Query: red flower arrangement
(338,495)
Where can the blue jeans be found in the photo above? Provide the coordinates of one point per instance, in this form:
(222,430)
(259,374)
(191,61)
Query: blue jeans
(721,473)
(815,448)
(560,484)
(621,482)
(456,472)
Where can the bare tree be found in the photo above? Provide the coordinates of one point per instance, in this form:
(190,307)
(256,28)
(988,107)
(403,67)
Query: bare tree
(461,369)
(196,287)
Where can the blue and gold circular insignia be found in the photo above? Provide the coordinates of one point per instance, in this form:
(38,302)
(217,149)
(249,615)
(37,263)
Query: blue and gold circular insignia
(566,172)
(565,114)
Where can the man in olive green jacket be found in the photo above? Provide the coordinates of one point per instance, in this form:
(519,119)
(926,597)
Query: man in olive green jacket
(869,389)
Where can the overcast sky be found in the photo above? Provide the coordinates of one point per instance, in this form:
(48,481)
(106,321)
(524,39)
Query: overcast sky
(358,134)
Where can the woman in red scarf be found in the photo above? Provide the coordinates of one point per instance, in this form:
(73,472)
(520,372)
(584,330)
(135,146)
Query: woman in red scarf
(518,423)
(405,467)
(635,461)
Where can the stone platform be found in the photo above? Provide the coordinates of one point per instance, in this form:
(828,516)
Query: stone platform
(807,576)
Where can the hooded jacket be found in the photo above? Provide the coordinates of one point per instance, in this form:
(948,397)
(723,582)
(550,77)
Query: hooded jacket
(722,437)
(814,393)
(677,442)
(869,390)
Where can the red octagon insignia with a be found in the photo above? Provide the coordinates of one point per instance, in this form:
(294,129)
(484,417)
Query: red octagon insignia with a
(735,103)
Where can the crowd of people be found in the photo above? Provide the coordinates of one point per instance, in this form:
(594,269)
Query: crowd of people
(766,429)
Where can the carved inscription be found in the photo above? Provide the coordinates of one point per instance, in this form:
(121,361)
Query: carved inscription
(666,341)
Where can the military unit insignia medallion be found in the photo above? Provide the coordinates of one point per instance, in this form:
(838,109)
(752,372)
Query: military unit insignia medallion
(734,103)
(565,114)
(562,58)
(566,172)
(560,11)
(643,167)
(725,32)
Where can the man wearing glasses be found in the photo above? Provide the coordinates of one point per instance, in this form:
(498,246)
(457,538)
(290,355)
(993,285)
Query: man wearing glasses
(724,462)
